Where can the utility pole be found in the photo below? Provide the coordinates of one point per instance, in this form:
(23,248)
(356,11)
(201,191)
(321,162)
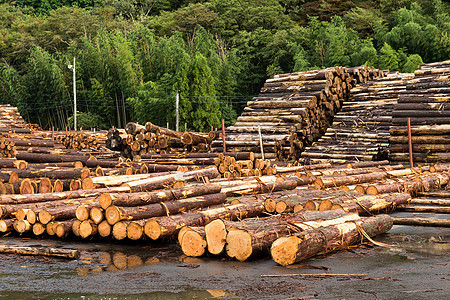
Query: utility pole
(177,104)
(72,67)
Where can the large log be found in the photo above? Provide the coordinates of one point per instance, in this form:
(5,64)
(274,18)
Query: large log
(161,227)
(136,199)
(114,214)
(254,237)
(289,250)
(217,230)
(422,222)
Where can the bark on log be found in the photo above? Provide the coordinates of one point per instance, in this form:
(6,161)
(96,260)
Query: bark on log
(161,227)
(289,250)
(114,214)
(422,222)
(41,251)
(143,198)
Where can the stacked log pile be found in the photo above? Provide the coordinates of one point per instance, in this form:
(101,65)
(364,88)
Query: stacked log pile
(152,139)
(428,209)
(360,131)
(215,215)
(292,110)
(83,139)
(10,117)
(426,102)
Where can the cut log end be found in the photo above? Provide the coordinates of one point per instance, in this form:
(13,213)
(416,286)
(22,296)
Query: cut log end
(26,187)
(284,250)
(96,214)
(44,216)
(216,235)
(119,231)
(31,216)
(87,183)
(134,231)
(239,244)
(38,229)
(270,205)
(152,229)
(112,215)
(193,243)
(87,229)
(22,226)
(104,229)
(82,213)
(76,227)
(105,200)
(45,186)
(325,205)
(49,228)
(280,207)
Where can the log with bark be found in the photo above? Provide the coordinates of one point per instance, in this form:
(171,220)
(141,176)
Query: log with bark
(289,250)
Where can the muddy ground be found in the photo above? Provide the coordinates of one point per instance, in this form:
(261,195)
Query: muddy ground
(416,267)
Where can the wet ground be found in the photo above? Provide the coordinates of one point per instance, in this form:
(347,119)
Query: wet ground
(416,267)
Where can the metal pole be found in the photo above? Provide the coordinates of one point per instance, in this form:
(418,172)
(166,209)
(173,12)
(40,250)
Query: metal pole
(177,103)
(410,143)
(74,97)
(260,142)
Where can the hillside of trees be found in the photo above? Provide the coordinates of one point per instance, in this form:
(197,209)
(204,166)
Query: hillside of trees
(132,56)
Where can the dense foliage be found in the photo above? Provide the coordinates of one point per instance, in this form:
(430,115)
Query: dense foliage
(133,56)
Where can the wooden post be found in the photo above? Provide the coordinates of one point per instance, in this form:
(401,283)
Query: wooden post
(410,143)
(223,136)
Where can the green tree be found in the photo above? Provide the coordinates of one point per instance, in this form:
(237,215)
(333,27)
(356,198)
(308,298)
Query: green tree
(11,89)
(388,58)
(202,96)
(412,63)
(45,98)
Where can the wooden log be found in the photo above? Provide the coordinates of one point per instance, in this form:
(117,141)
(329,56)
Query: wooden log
(135,229)
(253,237)
(143,198)
(217,230)
(6,225)
(163,181)
(432,201)
(193,241)
(428,209)
(63,228)
(114,214)
(336,181)
(87,229)
(384,202)
(289,250)
(57,213)
(421,222)
(41,251)
(50,158)
(158,228)
(119,230)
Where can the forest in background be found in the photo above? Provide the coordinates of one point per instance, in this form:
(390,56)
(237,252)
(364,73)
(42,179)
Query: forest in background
(132,56)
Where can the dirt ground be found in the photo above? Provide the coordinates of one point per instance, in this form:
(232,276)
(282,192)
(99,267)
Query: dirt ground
(417,266)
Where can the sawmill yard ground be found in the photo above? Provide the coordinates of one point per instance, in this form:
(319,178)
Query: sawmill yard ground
(417,267)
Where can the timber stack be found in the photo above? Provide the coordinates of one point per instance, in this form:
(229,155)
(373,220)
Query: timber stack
(426,103)
(10,117)
(360,131)
(291,111)
(83,139)
(152,139)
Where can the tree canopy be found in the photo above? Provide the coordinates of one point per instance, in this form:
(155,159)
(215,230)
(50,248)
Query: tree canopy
(132,57)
